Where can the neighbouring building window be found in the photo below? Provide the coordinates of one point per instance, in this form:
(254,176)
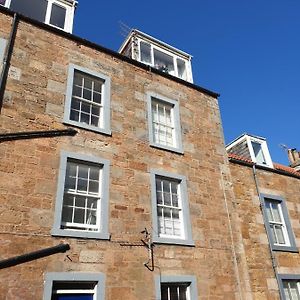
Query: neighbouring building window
(54,12)
(258,153)
(88,100)
(164,123)
(176,287)
(278,224)
(170,209)
(175,291)
(82,197)
(289,286)
(74,286)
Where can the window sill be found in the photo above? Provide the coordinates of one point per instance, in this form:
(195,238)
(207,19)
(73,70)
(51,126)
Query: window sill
(105,131)
(169,241)
(170,149)
(292,249)
(81,234)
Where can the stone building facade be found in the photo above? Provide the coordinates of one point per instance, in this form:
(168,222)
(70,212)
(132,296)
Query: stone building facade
(100,191)
(116,182)
(266,204)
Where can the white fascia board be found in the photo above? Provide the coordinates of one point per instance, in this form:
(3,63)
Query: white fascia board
(155,41)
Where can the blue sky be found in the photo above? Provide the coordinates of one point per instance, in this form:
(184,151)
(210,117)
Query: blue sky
(248,51)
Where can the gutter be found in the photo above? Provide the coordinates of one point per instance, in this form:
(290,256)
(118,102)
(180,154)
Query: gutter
(99,48)
(7,58)
(17,260)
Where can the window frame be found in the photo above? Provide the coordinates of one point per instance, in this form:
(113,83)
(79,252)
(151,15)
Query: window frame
(188,76)
(187,239)
(287,277)
(291,247)
(104,202)
(159,279)
(51,277)
(264,149)
(178,147)
(105,129)
(70,10)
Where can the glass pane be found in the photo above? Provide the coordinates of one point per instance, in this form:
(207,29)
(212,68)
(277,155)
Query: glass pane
(75,104)
(58,16)
(77,90)
(88,83)
(35,9)
(87,94)
(181,68)
(77,78)
(268,210)
(275,211)
(94,187)
(83,171)
(145,52)
(85,118)
(95,121)
(97,98)
(167,199)
(94,173)
(158,184)
(79,216)
(69,200)
(91,217)
(163,62)
(164,292)
(92,203)
(258,153)
(182,292)
(67,214)
(98,86)
(74,115)
(80,201)
(174,292)
(82,185)
(279,234)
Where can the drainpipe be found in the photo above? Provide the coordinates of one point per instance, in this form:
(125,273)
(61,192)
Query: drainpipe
(7,58)
(17,260)
(273,258)
(36,134)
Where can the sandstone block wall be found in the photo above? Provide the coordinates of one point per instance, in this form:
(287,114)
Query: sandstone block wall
(34,100)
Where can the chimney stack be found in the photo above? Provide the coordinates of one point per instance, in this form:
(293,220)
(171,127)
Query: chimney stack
(294,158)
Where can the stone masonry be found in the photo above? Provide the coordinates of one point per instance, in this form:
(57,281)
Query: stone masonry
(34,100)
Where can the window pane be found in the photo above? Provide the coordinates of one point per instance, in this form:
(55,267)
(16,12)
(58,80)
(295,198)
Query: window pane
(276,212)
(181,68)
(163,62)
(258,153)
(279,234)
(145,52)
(86,89)
(58,16)
(35,9)
(67,214)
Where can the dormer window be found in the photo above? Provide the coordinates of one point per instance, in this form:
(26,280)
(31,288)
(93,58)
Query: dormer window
(253,148)
(158,55)
(57,13)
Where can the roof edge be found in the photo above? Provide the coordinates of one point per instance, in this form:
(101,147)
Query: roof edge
(100,48)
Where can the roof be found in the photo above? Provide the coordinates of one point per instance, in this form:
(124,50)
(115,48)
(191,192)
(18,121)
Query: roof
(278,168)
(240,137)
(137,32)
